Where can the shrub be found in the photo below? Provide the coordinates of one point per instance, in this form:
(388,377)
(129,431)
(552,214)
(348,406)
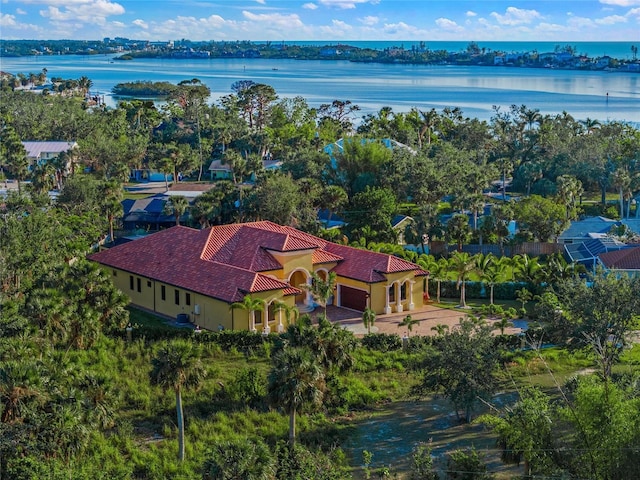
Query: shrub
(298,463)
(248,387)
(382,342)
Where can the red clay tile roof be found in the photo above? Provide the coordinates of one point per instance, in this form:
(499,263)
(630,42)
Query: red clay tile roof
(225,261)
(322,256)
(625,259)
(365,265)
(172,257)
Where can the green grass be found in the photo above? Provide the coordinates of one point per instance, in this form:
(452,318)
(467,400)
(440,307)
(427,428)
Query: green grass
(381,416)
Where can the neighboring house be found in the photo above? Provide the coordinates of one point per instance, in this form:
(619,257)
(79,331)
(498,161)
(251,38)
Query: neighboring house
(586,252)
(42,152)
(399,224)
(189,190)
(222,171)
(148,175)
(587,229)
(329,219)
(200,273)
(623,261)
(147,213)
(585,240)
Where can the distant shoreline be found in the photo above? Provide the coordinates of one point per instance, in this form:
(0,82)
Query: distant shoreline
(618,56)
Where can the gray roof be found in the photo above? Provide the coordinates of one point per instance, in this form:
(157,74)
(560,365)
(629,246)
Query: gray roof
(582,228)
(36,149)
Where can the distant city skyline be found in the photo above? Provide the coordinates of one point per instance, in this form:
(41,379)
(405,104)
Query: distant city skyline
(330,20)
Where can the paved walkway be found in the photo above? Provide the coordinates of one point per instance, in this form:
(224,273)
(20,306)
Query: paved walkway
(428,316)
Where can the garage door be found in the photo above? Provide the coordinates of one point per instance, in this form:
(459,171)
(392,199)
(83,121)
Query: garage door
(353,298)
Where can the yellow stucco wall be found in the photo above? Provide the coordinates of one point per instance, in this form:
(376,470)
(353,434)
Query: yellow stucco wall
(209,313)
(293,261)
(212,314)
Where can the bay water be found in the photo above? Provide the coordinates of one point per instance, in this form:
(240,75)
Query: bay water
(600,95)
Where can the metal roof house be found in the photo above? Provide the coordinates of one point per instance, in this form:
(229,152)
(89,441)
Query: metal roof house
(40,152)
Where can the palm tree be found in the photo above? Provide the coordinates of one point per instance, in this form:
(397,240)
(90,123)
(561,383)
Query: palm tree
(368,319)
(321,290)
(569,189)
(43,178)
(408,322)
(429,120)
(295,380)
(111,198)
(440,329)
(438,271)
(251,305)
(492,271)
(15,156)
(527,268)
(523,296)
(245,459)
(462,264)
(19,386)
(333,198)
(85,84)
(289,312)
(503,323)
(177,366)
(177,205)
(458,230)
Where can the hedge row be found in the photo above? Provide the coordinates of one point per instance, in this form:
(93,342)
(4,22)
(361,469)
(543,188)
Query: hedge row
(501,291)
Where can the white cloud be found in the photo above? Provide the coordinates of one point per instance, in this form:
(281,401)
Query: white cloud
(274,20)
(20,11)
(7,20)
(516,16)
(337,29)
(92,11)
(611,20)
(450,25)
(403,30)
(471,14)
(621,3)
(550,28)
(345,4)
(634,12)
(580,22)
(141,23)
(369,20)
(310,6)
(261,2)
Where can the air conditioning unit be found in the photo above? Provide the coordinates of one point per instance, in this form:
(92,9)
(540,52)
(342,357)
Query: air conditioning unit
(196,309)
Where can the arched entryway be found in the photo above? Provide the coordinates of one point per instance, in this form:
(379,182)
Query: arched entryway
(297,278)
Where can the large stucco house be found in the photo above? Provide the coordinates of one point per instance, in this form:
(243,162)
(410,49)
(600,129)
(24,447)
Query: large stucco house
(200,273)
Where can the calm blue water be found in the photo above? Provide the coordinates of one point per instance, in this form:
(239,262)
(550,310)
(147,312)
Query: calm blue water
(371,86)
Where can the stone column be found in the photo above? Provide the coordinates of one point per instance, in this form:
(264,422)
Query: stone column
(399,307)
(387,307)
(411,304)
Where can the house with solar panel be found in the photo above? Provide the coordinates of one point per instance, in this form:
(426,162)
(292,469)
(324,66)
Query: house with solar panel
(587,239)
(181,272)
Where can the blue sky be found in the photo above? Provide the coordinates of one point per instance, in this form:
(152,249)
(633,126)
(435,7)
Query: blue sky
(429,20)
